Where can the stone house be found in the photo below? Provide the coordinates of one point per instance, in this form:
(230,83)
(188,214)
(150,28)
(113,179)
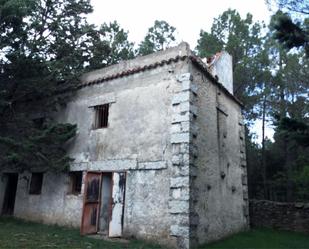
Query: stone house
(159,155)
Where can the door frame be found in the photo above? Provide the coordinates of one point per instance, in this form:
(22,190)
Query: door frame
(101,173)
(6,192)
(85,202)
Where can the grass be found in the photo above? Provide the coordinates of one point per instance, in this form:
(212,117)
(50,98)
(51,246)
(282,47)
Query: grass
(21,234)
(16,233)
(263,239)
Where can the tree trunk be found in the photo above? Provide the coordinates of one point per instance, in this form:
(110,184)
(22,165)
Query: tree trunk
(264,172)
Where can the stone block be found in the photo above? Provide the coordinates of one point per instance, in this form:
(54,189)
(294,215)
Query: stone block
(180,138)
(176,127)
(181,97)
(185,106)
(178,207)
(184,148)
(178,118)
(152,165)
(176,149)
(186,85)
(185,126)
(186,159)
(178,182)
(182,171)
(181,194)
(176,159)
(189,86)
(182,231)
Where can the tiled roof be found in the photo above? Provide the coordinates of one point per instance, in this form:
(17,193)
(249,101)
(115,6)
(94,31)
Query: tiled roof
(195,60)
(132,71)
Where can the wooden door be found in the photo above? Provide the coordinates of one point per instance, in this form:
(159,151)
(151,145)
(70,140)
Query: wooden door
(118,195)
(91,204)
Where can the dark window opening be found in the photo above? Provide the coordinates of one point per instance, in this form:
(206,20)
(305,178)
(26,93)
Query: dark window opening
(38,122)
(101,116)
(76,179)
(36,184)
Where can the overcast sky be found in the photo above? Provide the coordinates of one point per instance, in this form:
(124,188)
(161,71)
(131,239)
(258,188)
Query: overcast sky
(188,17)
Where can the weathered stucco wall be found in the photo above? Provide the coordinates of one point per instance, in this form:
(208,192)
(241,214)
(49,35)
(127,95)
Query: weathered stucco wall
(219,184)
(137,140)
(54,205)
(146,209)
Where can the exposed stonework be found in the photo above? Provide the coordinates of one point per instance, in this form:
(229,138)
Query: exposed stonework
(183,178)
(280,215)
(182,139)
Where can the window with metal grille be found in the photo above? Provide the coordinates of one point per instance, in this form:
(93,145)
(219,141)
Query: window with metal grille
(101,116)
(76,178)
(36,184)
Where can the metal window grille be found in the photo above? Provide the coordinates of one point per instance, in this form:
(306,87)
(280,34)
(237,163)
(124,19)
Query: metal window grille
(101,119)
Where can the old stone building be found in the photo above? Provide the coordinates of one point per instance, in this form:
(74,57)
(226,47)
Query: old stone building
(159,155)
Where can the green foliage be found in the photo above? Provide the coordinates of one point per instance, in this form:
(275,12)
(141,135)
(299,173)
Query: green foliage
(241,38)
(301,182)
(43,150)
(160,36)
(273,85)
(15,233)
(45,45)
(292,33)
(111,46)
(262,239)
(296,130)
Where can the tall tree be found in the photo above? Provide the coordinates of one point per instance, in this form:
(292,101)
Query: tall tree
(110,46)
(292,32)
(243,40)
(287,91)
(160,36)
(45,45)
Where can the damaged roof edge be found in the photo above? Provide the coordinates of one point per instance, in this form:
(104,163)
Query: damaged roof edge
(203,67)
(148,62)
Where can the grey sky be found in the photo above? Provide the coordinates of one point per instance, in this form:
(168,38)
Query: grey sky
(189,17)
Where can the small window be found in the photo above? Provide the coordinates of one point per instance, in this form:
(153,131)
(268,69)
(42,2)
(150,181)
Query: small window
(101,116)
(36,184)
(76,178)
